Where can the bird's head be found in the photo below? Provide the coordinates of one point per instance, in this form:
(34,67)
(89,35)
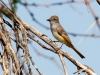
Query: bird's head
(53,19)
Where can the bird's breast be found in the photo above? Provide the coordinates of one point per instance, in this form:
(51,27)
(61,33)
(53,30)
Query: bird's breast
(58,37)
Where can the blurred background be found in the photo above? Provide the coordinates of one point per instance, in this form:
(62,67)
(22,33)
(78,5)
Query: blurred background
(76,18)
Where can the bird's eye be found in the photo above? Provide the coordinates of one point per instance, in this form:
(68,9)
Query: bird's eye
(54,19)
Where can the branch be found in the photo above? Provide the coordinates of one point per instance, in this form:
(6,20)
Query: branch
(43,55)
(93,13)
(63,64)
(84,35)
(56,48)
(51,4)
(49,42)
(5,40)
(98,2)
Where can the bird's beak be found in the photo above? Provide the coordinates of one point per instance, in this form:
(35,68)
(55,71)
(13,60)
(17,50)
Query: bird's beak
(48,19)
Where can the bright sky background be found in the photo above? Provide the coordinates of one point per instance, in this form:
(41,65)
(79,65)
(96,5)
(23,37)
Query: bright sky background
(72,21)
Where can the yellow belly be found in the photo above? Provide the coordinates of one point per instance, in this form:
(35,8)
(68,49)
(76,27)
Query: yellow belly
(61,39)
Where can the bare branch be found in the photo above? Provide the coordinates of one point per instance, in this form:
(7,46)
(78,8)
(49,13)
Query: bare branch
(18,27)
(98,2)
(63,64)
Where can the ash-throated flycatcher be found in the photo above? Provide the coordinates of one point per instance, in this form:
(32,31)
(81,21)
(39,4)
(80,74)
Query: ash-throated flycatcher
(60,34)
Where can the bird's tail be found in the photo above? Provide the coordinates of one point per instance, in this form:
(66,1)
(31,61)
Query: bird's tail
(82,56)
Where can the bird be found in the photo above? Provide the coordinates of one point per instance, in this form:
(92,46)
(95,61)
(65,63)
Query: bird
(60,34)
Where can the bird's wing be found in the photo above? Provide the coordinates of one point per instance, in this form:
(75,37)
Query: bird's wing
(63,33)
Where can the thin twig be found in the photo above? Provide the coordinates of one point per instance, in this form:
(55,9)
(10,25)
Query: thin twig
(63,64)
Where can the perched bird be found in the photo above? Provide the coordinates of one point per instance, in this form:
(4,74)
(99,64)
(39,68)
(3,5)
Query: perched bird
(60,34)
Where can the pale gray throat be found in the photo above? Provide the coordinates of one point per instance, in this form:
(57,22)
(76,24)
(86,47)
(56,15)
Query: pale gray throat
(53,26)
